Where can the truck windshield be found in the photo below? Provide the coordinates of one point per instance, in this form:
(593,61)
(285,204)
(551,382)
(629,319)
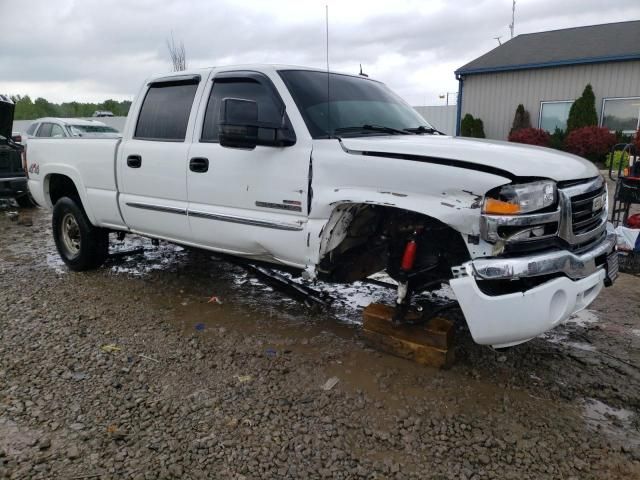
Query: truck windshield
(358,106)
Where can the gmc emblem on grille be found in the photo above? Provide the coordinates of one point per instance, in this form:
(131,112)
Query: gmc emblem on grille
(598,203)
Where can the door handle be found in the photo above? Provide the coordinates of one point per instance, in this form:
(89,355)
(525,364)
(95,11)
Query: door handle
(134,161)
(199,164)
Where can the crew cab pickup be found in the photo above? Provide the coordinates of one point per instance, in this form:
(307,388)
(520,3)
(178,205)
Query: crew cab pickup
(336,177)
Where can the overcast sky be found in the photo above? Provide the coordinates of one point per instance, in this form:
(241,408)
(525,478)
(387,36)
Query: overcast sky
(91,50)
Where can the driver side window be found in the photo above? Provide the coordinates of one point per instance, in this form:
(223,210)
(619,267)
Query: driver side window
(241,88)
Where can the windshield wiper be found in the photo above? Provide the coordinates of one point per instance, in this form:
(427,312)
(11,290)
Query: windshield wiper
(423,129)
(372,128)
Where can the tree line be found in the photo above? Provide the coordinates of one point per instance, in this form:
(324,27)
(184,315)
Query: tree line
(27,109)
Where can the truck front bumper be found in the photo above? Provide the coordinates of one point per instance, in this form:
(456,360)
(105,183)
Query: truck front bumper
(13,186)
(513,318)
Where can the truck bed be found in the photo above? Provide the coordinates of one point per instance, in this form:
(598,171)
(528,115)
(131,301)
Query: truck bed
(89,162)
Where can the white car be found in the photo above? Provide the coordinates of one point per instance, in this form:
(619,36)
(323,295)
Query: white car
(268,163)
(50,127)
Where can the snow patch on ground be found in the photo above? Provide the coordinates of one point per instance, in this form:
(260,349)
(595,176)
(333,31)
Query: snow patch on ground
(583,318)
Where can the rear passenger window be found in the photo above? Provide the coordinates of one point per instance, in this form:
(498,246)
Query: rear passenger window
(165,111)
(44,130)
(245,88)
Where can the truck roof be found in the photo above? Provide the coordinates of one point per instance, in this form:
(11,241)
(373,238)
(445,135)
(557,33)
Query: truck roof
(250,66)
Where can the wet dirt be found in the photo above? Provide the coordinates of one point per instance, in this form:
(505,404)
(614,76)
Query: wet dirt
(246,370)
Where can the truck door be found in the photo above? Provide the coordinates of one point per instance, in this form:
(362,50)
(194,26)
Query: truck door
(153,163)
(251,202)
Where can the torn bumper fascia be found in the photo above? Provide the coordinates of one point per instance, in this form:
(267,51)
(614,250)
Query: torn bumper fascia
(506,320)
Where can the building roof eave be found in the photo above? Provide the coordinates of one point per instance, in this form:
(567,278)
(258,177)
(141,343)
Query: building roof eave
(556,63)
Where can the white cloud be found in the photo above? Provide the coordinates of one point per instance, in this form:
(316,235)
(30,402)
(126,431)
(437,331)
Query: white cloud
(96,49)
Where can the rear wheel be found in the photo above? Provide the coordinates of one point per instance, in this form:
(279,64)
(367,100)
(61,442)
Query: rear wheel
(80,245)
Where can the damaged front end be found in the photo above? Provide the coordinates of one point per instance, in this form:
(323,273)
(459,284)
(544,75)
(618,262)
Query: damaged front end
(415,250)
(552,253)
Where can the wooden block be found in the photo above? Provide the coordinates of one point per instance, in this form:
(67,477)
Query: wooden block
(428,344)
(437,332)
(422,354)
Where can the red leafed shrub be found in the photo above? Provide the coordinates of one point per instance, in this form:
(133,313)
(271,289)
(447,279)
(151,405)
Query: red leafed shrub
(590,142)
(531,136)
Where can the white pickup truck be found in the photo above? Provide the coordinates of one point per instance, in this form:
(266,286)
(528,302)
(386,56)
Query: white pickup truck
(336,177)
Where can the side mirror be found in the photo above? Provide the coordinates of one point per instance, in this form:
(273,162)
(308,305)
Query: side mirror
(240,127)
(239,123)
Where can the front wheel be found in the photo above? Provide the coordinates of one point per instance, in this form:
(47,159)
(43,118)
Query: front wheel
(80,245)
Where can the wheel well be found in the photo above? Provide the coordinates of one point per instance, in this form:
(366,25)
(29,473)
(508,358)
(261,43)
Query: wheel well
(61,186)
(362,239)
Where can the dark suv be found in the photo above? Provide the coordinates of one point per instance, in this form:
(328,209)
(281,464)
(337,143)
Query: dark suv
(13,176)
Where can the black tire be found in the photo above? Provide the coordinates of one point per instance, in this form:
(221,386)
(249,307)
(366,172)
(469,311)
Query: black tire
(26,201)
(80,245)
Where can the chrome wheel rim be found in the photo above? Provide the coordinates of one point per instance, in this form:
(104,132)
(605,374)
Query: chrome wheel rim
(70,235)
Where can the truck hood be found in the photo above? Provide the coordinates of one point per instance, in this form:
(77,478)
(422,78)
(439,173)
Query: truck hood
(6,118)
(517,159)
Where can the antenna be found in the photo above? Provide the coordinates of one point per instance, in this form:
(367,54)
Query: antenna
(362,74)
(498,39)
(326,19)
(513,17)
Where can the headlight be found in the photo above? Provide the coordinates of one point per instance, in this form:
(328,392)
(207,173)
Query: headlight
(518,199)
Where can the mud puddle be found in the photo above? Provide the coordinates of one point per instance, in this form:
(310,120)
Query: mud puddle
(619,424)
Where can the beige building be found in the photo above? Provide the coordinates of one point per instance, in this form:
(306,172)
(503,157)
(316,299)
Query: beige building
(547,71)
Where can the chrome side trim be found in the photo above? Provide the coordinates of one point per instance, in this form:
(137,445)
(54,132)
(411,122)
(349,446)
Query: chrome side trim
(574,266)
(245,221)
(157,208)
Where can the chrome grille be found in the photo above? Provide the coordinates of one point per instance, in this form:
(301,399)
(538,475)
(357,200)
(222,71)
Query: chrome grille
(585,216)
(584,212)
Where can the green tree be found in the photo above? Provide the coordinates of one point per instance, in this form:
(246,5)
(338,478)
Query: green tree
(478,128)
(521,119)
(26,109)
(466,126)
(583,111)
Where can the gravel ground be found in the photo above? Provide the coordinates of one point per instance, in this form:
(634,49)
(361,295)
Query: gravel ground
(131,372)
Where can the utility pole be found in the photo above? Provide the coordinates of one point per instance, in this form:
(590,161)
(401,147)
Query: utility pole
(513,17)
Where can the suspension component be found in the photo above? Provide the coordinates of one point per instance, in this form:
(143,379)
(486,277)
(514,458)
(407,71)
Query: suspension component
(409,255)
(404,289)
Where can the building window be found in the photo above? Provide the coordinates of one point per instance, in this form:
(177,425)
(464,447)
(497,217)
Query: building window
(554,115)
(621,114)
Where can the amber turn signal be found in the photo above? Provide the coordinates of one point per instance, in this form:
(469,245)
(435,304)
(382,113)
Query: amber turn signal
(498,207)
